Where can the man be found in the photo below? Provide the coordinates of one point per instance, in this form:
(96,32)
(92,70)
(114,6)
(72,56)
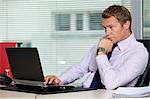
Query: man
(127,62)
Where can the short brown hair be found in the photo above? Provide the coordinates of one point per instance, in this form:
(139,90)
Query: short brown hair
(120,12)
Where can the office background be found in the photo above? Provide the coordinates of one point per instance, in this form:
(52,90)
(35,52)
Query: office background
(64,30)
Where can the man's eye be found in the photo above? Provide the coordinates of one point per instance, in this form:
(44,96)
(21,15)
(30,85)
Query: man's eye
(110,27)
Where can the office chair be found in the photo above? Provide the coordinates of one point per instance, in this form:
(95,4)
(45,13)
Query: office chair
(145,77)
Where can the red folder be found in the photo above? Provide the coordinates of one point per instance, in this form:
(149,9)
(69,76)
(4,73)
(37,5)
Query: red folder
(4,64)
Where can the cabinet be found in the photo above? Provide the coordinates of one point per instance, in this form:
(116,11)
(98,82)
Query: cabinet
(4,64)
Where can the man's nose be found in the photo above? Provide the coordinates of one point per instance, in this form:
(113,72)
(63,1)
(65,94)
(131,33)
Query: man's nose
(108,31)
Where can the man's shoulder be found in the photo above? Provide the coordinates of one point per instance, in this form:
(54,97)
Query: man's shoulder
(140,47)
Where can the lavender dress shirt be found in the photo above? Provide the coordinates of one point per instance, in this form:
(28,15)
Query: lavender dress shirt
(128,61)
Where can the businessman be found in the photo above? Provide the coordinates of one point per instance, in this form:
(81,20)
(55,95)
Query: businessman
(115,60)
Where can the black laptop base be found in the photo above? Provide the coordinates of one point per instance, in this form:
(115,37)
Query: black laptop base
(45,90)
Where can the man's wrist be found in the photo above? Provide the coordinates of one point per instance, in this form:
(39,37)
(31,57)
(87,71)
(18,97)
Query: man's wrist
(101,51)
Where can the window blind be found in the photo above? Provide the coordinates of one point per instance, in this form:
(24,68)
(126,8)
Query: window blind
(3,18)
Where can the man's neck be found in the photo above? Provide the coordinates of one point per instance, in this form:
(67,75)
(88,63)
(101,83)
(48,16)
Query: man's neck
(128,33)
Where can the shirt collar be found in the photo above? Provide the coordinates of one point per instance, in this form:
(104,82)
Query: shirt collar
(125,43)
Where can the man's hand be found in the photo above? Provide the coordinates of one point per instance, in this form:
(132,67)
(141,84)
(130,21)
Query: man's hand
(107,44)
(51,79)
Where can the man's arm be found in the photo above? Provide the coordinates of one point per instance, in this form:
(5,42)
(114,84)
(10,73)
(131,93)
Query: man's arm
(130,65)
(75,71)
(78,70)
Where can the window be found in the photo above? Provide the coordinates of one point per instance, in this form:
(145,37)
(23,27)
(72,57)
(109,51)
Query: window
(79,21)
(62,22)
(146,19)
(65,22)
(95,21)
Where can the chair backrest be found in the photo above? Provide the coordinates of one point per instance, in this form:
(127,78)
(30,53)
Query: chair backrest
(145,77)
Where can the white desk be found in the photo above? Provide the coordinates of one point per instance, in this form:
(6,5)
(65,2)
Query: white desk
(94,94)
(13,95)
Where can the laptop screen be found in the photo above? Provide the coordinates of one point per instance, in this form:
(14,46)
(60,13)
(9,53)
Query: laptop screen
(25,64)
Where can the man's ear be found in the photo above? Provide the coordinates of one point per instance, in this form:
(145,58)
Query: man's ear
(127,24)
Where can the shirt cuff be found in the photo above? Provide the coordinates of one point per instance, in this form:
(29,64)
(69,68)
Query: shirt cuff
(62,80)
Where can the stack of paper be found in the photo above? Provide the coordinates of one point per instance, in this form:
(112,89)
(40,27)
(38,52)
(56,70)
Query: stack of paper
(132,92)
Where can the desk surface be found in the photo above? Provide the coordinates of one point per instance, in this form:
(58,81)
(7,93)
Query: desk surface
(13,95)
(94,94)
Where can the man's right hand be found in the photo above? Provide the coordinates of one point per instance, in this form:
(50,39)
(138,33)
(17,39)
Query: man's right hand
(51,79)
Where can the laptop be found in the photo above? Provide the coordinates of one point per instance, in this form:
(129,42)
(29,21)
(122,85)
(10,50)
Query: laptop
(25,66)
(28,74)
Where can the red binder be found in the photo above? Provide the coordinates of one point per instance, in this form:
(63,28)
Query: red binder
(4,64)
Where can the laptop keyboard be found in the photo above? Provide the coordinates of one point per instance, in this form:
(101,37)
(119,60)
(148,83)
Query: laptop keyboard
(40,90)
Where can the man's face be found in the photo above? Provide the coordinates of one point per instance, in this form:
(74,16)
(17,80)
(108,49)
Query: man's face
(114,30)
